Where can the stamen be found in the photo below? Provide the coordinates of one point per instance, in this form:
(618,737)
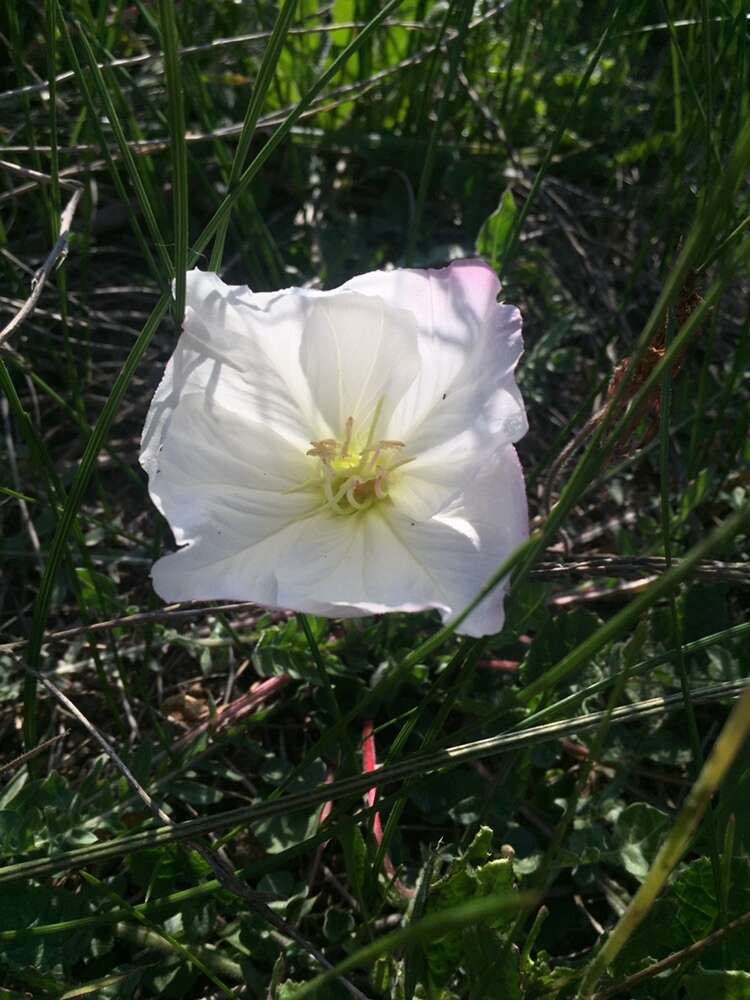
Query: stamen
(380,490)
(325,449)
(353,474)
(334,499)
(351,497)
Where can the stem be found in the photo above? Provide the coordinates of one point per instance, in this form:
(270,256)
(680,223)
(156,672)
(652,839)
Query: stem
(726,748)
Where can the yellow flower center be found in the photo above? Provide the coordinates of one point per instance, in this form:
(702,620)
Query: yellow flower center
(354,472)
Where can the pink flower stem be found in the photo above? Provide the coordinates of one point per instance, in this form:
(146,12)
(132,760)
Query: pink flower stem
(369,764)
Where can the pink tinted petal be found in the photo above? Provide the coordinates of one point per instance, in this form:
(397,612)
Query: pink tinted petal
(469,346)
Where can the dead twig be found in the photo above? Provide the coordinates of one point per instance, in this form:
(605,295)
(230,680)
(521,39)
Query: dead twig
(605,565)
(676,958)
(34,752)
(627,378)
(212,46)
(231,714)
(220,866)
(174,612)
(54,259)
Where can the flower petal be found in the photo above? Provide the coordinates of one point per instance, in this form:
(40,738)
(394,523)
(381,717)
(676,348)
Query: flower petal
(359,355)
(469,346)
(351,566)
(213,464)
(241,351)
(465,545)
(256,377)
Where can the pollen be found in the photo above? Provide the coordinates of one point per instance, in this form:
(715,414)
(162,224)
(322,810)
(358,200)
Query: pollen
(354,472)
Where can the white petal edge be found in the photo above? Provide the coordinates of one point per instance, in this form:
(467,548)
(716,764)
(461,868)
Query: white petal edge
(352,566)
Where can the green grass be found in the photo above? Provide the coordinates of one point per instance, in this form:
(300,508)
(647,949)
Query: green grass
(563,804)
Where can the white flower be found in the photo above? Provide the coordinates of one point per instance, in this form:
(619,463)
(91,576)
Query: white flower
(342,453)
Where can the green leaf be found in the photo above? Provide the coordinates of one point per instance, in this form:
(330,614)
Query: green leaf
(194,792)
(338,924)
(688,912)
(496,231)
(525,608)
(493,965)
(557,637)
(734,798)
(467,879)
(638,833)
(98,589)
(718,984)
(18,830)
(277,833)
(24,906)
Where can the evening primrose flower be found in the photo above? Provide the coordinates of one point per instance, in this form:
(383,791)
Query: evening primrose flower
(342,453)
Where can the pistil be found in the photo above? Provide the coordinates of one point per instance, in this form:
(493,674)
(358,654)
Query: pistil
(354,478)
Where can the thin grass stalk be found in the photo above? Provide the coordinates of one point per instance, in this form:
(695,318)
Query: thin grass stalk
(544,875)
(666,528)
(735,632)
(128,158)
(433,925)
(263,81)
(466,659)
(101,428)
(172,944)
(320,667)
(353,787)
(73,501)
(616,625)
(710,139)
(728,745)
(520,219)
(50,16)
(429,160)
(178,152)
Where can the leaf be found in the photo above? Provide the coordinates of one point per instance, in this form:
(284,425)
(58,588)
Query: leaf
(718,984)
(496,229)
(688,912)
(194,792)
(98,590)
(467,880)
(557,637)
(18,829)
(415,961)
(337,924)
(525,608)
(493,965)
(162,869)
(25,906)
(638,833)
(280,832)
(735,798)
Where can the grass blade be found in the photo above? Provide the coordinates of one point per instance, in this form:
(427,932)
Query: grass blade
(178,152)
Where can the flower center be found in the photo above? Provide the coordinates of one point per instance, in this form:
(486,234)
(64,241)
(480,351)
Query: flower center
(354,472)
